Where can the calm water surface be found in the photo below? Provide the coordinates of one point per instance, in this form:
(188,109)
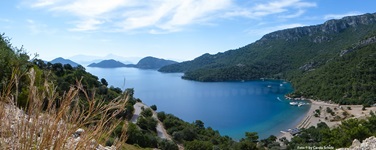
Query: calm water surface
(233,108)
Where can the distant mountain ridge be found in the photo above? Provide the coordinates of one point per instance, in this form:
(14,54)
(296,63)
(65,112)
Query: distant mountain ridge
(145,63)
(111,63)
(313,41)
(300,55)
(89,59)
(64,61)
(329,27)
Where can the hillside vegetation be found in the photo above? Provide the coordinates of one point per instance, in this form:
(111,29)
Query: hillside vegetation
(108,64)
(153,63)
(58,106)
(56,100)
(330,61)
(64,61)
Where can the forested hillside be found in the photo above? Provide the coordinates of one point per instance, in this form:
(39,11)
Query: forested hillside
(306,56)
(63,99)
(349,78)
(64,61)
(153,63)
(107,64)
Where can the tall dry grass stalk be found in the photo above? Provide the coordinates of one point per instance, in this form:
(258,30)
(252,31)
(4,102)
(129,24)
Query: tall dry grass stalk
(45,125)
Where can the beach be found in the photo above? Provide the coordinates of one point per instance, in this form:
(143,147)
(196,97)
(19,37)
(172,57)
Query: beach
(332,119)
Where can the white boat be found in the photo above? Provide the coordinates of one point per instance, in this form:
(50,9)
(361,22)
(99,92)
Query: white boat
(294,103)
(279,99)
(301,104)
(269,86)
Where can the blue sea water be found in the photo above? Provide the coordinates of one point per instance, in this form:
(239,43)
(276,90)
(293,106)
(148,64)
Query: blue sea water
(232,108)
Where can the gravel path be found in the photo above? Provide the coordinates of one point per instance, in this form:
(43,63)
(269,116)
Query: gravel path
(161,131)
(137,111)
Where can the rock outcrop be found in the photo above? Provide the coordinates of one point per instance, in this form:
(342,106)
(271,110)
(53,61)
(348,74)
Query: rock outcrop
(316,31)
(359,45)
(367,144)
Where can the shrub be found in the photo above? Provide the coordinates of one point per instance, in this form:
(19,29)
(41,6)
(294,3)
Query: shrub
(147,112)
(147,123)
(161,116)
(137,137)
(167,145)
(317,111)
(198,145)
(154,107)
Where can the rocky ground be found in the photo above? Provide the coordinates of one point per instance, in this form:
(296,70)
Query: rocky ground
(367,144)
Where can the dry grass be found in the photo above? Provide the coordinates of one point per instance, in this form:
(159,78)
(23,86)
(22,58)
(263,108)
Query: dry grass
(43,125)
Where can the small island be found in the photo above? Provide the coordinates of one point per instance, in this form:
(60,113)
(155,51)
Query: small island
(111,63)
(152,63)
(145,63)
(64,61)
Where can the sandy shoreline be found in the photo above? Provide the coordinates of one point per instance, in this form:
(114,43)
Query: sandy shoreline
(340,113)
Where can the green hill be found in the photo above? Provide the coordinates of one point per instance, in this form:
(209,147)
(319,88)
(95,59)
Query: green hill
(306,56)
(153,63)
(64,61)
(108,64)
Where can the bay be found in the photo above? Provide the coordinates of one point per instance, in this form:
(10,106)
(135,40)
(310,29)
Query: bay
(232,108)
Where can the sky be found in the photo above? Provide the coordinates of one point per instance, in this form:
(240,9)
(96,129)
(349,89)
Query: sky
(172,29)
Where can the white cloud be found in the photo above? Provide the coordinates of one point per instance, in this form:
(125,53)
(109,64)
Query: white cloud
(90,8)
(90,13)
(38,28)
(151,15)
(87,25)
(194,11)
(44,3)
(161,16)
(339,16)
(297,14)
(274,7)
(170,15)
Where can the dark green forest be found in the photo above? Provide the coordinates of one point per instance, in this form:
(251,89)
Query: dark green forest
(332,61)
(349,79)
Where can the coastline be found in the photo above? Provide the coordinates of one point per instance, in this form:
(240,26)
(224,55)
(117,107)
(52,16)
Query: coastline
(340,113)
